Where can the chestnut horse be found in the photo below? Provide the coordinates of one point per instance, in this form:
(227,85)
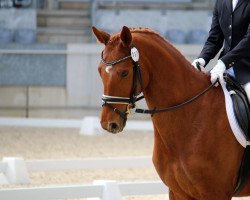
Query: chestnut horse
(195,152)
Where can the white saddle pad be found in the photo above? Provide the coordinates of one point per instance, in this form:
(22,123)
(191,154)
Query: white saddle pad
(238,133)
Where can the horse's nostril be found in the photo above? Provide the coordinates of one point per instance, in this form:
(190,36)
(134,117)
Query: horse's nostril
(113,127)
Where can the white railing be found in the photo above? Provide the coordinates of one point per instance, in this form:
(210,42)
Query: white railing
(15,170)
(107,190)
(98,163)
(32,122)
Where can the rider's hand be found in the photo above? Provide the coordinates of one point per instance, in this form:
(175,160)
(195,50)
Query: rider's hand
(217,71)
(199,62)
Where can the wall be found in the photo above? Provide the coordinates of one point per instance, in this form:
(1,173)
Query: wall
(24,67)
(52,81)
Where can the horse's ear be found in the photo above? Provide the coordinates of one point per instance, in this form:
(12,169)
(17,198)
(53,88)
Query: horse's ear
(126,36)
(100,35)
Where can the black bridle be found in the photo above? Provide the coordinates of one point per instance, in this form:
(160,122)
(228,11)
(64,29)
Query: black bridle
(131,101)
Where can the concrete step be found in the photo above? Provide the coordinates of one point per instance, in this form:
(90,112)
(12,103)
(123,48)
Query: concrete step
(60,35)
(63,13)
(63,21)
(74,4)
(185,5)
(64,31)
(62,39)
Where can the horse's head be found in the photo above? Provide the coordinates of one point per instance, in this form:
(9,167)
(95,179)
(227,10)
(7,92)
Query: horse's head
(121,76)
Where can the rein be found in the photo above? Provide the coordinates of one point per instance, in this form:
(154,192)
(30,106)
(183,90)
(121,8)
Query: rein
(131,101)
(152,112)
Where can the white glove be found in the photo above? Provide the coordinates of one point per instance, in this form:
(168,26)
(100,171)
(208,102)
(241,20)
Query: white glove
(200,61)
(217,71)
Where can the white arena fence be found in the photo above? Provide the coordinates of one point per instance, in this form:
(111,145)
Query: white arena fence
(14,170)
(106,190)
(88,126)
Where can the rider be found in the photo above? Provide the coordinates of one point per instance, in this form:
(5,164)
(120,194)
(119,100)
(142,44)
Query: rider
(231,26)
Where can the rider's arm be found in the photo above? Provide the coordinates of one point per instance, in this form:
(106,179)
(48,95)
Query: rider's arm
(215,39)
(240,51)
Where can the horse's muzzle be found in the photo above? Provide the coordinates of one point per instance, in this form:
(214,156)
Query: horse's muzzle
(114,126)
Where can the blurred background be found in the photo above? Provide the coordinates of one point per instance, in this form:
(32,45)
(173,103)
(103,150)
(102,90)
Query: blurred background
(49,58)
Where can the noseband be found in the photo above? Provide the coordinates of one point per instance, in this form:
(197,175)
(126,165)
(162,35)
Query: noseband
(132,99)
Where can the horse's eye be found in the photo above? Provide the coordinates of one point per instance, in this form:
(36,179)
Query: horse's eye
(124,74)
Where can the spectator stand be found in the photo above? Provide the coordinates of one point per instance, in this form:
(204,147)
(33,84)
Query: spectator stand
(18,25)
(166,17)
(197,36)
(176,36)
(6,36)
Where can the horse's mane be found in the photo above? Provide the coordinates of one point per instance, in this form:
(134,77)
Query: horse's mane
(150,31)
(168,44)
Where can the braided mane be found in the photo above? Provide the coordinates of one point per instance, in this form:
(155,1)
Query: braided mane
(146,30)
(150,31)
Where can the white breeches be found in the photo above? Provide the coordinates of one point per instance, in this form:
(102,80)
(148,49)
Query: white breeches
(247,89)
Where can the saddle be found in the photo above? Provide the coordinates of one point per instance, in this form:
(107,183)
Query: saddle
(241,109)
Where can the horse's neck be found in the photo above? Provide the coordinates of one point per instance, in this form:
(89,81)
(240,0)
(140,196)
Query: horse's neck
(172,79)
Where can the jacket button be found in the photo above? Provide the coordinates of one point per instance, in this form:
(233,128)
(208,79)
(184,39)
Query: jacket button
(230,26)
(230,37)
